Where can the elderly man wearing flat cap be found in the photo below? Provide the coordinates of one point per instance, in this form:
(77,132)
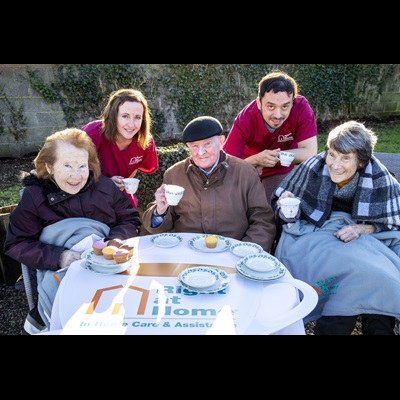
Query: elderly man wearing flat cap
(223,194)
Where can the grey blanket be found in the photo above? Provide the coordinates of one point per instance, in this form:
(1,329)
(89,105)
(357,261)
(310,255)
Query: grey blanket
(67,233)
(361,276)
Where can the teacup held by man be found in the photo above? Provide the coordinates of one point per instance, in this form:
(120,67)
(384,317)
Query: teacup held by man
(173,194)
(286,158)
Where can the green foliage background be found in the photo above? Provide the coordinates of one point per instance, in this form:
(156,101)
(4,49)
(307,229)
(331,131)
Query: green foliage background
(221,90)
(335,92)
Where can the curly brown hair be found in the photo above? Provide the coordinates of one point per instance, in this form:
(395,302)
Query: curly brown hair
(73,136)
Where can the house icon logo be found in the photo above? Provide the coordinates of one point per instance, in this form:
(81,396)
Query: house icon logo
(141,307)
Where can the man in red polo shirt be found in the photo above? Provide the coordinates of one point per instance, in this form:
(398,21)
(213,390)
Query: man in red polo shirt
(278,119)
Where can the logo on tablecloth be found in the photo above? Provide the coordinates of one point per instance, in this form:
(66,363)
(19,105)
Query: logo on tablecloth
(135,308)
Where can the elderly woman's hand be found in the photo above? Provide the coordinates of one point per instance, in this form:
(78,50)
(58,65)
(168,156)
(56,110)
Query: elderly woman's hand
(353,231)
(285,195)
(67,258)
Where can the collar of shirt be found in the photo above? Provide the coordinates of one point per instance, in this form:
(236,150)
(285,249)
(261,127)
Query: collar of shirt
(208,173)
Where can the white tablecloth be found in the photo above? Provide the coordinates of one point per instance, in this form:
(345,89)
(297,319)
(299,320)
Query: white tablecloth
(93,303)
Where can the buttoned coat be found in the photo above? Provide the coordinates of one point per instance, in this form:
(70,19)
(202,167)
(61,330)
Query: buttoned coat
(231,202)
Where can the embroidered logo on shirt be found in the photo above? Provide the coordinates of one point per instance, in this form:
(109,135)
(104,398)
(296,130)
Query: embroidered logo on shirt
(136,160)
(285,138)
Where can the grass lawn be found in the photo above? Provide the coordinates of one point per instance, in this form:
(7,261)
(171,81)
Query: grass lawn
(388,136)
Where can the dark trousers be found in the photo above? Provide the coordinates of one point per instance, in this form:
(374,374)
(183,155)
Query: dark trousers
(371,324)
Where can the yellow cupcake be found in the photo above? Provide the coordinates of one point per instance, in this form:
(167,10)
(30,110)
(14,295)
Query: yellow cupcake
(211,241)
(109,251)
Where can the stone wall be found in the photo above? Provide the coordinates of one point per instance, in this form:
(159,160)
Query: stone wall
(44,118)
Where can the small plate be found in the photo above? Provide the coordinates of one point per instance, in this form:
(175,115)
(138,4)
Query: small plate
(219,285)
(166,240)
(109,271)
(261,262)
(99,264)
(244,249)
(200,277)
(259,276)
(197,243)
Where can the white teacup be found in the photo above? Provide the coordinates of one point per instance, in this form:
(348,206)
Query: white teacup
(173,194)
(131,185)
(290,206)
(286,158)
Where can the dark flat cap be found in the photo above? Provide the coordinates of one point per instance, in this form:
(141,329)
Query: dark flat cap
(201,128)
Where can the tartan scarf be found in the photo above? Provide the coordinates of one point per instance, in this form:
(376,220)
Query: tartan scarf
(376,200)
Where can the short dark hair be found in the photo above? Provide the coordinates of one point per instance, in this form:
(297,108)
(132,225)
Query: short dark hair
(277,81)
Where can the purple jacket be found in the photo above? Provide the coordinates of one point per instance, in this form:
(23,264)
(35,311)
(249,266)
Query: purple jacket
(43,204)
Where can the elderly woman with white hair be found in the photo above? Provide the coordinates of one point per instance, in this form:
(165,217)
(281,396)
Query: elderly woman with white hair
(345,239)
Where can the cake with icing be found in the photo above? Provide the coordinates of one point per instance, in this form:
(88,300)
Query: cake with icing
(121,256)
(109,251)
(127,247)
(98,247)
(211,241)
(115,242)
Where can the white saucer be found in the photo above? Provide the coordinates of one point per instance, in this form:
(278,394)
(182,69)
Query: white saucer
(259,276)
(200,277)
(219,285)
(198,243)
(261,262)
(166,240)
(244,249)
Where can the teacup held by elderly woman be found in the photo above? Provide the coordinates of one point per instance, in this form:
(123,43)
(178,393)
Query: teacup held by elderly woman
(290,206)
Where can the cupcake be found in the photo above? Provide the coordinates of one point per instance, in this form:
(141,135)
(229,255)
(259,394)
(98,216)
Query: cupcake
(121,256)
(115,242)
(108,252)
(211,241)
(127,247)
(98,247)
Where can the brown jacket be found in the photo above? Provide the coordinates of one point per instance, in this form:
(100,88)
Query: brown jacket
(231,203)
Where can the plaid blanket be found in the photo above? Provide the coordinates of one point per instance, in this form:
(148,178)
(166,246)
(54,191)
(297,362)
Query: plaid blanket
(377,197)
